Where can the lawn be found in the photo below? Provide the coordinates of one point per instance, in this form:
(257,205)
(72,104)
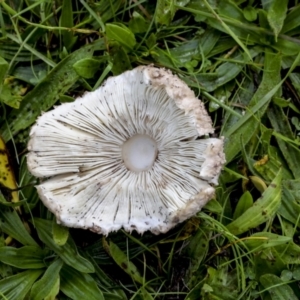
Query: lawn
(242,59)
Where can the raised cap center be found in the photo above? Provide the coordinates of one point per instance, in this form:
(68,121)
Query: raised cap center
(139,153)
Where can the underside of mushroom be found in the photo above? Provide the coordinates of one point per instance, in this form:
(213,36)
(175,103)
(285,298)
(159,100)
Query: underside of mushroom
(134,154)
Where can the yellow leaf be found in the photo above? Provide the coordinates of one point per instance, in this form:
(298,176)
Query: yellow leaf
(7,178)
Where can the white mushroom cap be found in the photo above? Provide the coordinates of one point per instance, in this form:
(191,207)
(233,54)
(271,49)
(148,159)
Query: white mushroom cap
(132,154)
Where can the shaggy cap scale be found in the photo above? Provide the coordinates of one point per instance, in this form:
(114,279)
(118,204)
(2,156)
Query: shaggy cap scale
(127,155)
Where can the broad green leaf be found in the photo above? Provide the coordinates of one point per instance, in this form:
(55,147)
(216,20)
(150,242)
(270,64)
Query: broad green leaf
(120,60)
(281,102)
(289,253)
(291,153)
(248,124)
(27,257)
(178,56)
(214,206)
(151,41)
(277,288)
(46,93)
(17,286)
(196,251)
(292,20)
(286,46)
(296,273)
(264,265)
(11,224)
(263,240)
(78,286)
(268,165)
(165,11)
(221,95)
(207,42)
(3,70)
(286,275)
(276,15)
(245,202)
(60,233)
(261,211)
(87,67)
(191,50)
(250,13)
(42,288)
(122,261)
(121,34)
(68,252)
(31,74)
(223,44)
(290,207)
(230,175)
(54,291)
(11,93)
(219,284)
(295,121)
(137,23)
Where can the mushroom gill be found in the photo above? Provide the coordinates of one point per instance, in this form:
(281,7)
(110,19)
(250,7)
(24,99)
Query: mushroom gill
(134,154)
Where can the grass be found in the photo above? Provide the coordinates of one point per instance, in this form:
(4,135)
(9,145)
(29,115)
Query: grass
(242,59)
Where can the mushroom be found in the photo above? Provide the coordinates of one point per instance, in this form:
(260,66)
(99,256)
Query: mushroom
(133,154)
